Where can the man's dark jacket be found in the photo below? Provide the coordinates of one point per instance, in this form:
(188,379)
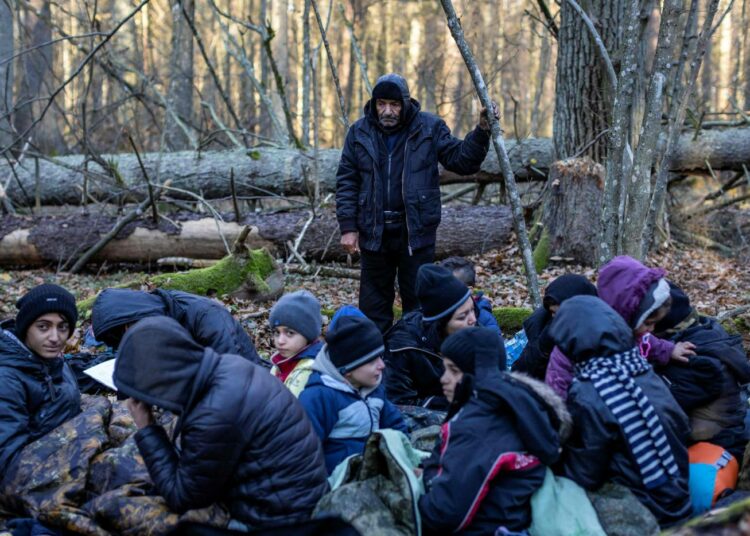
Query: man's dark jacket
(36,396)
(209,323)
(244,439)
(360,180)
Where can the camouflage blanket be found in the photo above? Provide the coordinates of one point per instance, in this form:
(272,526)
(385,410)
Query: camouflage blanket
(378,491)
(87,477)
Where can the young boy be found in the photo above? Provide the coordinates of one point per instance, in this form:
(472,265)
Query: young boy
(296,324)
(463,270)
(344,397)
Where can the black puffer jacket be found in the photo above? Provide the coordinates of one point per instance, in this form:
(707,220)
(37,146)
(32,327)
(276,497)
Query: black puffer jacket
(360,184)
(721,420)
(598,452)
(209,323)
(36,395)
(491,456)
(244,439)
(413,366)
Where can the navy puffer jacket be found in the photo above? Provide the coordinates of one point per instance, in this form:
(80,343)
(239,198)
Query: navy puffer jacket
(245,440)
(36,396)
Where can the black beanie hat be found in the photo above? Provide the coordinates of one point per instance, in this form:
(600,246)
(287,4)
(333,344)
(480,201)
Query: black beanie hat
(463,346)
(354,341)
(387,90)
(678,312)
(439,292)
(41,300)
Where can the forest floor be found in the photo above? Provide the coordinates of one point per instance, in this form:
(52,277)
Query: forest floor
(715,284)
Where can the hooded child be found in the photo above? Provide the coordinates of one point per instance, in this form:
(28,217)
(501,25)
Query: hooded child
(492,453)
(39,390)
(628,429)
(344,397)
(296,323)
(237,425)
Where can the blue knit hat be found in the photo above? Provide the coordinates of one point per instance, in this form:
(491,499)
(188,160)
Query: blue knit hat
(41,300)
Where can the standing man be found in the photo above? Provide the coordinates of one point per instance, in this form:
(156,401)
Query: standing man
(388,194)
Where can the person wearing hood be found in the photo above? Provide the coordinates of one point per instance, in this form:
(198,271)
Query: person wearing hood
(208,321)
(492,452)
(296,323)
(344,397)
(237,425)
(628,429)
(715,403)
(536,354)
(414,366)
(39,390)
(641,296)
(388,192)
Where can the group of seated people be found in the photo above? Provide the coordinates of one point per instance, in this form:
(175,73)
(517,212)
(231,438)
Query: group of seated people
(616,383)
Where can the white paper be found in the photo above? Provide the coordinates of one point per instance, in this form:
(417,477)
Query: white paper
(103,373)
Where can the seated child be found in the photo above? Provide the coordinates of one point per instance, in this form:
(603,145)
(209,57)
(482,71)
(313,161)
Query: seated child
(38,389)
(536,354)
(491,456)
(463,270)
(641,296)
(344,397)
(296,324)
(628,429)
(720,420)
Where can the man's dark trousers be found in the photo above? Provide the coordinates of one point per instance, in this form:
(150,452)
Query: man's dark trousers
(379,270)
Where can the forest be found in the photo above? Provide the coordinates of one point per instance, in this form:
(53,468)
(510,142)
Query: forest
(194,145)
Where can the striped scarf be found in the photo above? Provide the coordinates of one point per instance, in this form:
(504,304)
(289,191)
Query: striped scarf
(613,380)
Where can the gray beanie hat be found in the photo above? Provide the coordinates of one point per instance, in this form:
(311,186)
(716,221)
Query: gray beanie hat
(299,311)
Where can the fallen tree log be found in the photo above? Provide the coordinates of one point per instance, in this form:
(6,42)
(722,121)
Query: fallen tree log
(57,239)
(290,172)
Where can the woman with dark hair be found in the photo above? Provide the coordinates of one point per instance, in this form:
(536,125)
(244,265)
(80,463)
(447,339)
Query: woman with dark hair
(39,390)
(413,364)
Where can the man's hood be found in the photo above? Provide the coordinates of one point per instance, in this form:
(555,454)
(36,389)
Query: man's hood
(410,107)
(115,307)
(586,327)
(623,283)
(158,363)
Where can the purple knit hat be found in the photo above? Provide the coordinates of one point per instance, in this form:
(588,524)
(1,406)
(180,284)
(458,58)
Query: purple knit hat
(623,283)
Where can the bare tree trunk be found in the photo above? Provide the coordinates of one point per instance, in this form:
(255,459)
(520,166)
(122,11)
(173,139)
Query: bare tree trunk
(6,75)
(306,74)
(180,92)
(746,54)
(266,124)
(541,78)
(639,184)
(583,100)
(35,78)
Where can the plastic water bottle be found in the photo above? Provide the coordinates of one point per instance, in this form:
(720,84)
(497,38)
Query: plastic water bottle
(514,346)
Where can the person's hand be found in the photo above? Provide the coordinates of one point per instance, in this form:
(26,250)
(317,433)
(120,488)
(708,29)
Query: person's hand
(418,471)
(141,413)
(484,120)
(682,351)
(350,241)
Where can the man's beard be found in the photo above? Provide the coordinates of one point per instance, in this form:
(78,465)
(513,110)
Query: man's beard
(389,127)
